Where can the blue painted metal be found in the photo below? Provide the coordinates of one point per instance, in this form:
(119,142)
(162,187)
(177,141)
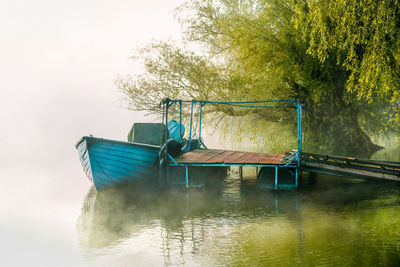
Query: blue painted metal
(299,127)
(248,104)
(201,141)
(165,105)
(292,157)
(109,162)
(191,122)
(288,164)
(180,119)
(166,128)
(201,109)
(232,164)
(236,102)
(173,160)
(187,175)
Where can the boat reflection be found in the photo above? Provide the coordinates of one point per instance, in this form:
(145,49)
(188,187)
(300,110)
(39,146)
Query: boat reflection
(183,224)
(111,216)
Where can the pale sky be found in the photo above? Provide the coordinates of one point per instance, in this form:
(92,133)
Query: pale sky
(59,60)
(58,63)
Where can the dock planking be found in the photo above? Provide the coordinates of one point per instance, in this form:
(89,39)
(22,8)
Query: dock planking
(219,156)
(350,166)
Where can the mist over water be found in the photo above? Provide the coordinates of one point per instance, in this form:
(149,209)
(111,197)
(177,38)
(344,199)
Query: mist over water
(328,221)
(59,60)
(332,222)
(56,218)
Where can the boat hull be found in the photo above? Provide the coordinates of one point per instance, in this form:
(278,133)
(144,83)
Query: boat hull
(109,163)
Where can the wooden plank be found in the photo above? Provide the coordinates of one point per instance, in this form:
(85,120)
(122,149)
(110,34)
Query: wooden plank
(273,158)
(351,160)
(351,171)
(251,157)
(365,167)
(195,155)
(226,154)
(217,156)
(240,157)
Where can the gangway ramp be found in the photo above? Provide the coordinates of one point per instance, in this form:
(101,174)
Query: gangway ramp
(349,166)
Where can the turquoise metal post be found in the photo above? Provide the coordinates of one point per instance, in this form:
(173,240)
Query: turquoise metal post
(166,138)
(201,109)
(166,121)
(187,176)
(276,177)
(180,120)
(299,136)
(299,125)
(191,121)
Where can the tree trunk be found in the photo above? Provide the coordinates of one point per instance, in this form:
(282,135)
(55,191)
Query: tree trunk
(334,129)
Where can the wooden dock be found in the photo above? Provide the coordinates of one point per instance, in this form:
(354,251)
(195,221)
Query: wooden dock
(219,157)
(271,164)
(228,158)
(309,162)
(225,158)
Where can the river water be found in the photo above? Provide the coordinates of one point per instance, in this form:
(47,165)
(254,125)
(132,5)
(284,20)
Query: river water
(59,220)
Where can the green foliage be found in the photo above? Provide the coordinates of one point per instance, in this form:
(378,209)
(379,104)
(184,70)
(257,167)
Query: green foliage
(170,72)
(270,49)
(364,37)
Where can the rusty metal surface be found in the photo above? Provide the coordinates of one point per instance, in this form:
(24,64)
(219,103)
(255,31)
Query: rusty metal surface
(217,156)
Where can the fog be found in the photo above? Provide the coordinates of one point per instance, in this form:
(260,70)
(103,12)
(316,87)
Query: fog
(59,60)
(58,63)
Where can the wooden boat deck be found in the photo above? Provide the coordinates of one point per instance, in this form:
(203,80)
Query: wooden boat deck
(228,157)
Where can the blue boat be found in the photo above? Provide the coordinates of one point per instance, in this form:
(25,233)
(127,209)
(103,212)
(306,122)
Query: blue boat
(109,162)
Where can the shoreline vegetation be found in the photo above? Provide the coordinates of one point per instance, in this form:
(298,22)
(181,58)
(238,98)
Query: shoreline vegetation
(341,59)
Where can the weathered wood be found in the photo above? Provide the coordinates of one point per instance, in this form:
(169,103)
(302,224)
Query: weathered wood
(359,166)
(380,163)
(350,166)
(331,169)
(217,156)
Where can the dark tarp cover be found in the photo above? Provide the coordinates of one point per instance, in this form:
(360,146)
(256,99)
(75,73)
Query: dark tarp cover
(147,133)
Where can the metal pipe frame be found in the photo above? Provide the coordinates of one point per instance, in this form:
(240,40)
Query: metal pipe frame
(191,122)
(296,155)
(231,164)
(180,121)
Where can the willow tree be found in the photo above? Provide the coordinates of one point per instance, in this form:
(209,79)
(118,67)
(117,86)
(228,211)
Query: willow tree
(366,37)
(252,50)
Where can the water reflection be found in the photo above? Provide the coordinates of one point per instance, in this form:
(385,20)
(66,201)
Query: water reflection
(391,153)
(328,222)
